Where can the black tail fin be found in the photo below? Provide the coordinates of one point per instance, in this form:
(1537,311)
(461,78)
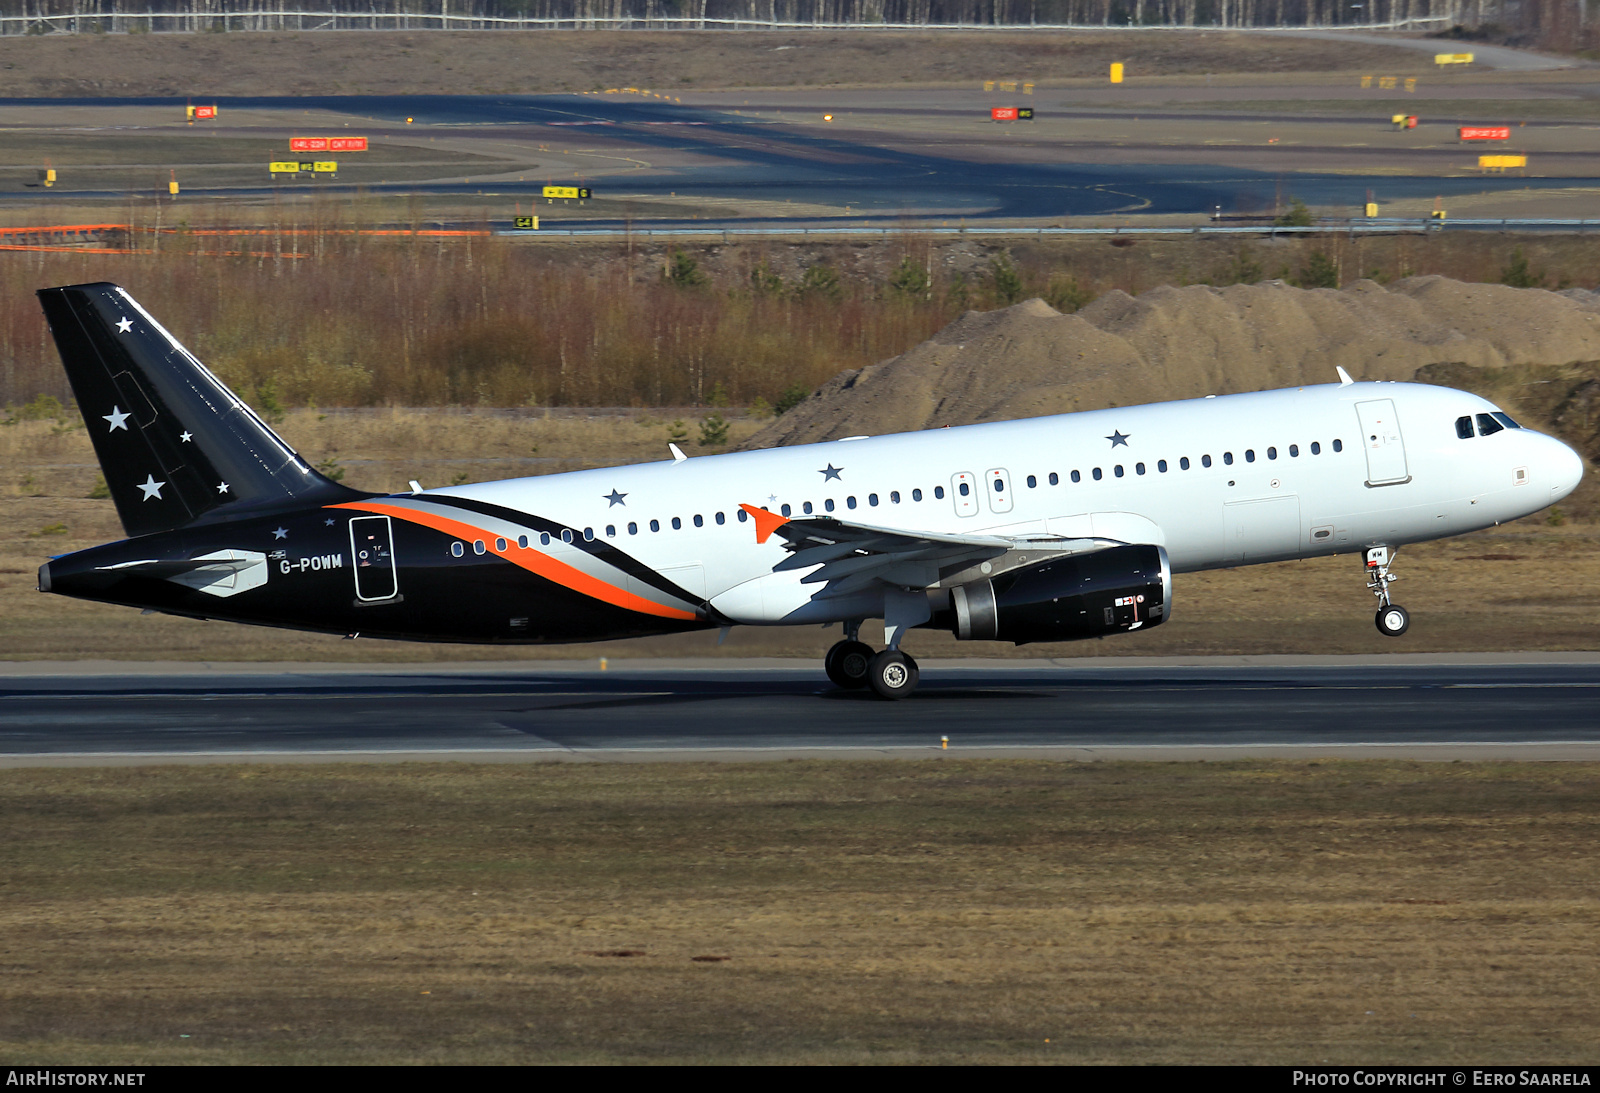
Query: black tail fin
(175,444)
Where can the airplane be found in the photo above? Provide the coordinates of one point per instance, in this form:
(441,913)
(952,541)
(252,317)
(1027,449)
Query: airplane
(1045,529)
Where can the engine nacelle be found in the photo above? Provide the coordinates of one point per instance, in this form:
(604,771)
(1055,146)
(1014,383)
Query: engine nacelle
(1079,596)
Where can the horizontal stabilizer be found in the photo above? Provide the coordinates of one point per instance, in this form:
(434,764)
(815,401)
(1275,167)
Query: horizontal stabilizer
(176,445)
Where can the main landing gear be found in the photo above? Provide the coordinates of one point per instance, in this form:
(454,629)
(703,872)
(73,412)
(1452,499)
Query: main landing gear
(852,664)
(1392,620)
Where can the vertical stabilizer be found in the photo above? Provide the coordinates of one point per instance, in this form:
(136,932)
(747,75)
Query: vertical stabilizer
(175,444)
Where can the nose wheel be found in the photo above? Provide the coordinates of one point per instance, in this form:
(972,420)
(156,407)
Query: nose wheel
(1392,620)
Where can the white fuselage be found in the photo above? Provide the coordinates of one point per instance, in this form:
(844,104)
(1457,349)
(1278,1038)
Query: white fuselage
(1217,482)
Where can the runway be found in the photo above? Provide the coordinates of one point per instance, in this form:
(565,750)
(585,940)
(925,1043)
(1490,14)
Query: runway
(1541,706)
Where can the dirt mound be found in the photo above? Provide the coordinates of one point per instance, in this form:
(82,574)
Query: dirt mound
(1172,343)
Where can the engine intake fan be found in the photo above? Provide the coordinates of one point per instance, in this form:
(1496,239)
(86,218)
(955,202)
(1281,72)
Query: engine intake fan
(1078,596)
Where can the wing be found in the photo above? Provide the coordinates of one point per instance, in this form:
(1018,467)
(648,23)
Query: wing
(851,557)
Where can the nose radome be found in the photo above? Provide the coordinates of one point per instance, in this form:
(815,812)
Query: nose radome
(1566,471)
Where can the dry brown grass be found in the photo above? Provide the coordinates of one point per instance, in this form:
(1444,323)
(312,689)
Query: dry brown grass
(497,322)
(358,63)
(870,912)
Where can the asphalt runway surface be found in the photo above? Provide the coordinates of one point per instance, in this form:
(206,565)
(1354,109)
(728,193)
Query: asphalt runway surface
(1464,707)
(734,157)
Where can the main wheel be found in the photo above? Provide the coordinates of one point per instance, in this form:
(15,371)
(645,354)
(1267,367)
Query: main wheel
(892,674)
(1393,620)
(846,663)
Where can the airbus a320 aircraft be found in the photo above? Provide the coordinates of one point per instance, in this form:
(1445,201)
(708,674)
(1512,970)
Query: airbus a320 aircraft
(1048,529)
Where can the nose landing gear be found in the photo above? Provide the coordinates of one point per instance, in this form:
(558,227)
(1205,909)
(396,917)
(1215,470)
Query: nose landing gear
(1392,620)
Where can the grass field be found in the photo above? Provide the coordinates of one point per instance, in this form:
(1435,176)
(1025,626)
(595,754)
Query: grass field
(936,911)
(534,63)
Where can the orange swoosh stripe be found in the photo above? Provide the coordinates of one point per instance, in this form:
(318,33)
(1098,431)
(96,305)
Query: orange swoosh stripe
(532,560)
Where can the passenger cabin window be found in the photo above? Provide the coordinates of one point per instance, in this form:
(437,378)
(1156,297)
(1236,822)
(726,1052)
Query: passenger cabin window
(1118,470)
(457,550)
(1488,426)
(965,489)
(699,521)
(677,523)
(894,496)
(1294,451)
(633,528)
(1205,461)
(742,515)
(1076,477)
(1138,468)
(1033,482)
(1183,464)
(828,504)
(1249,455)
(721,519)
(786,510)
(1161,465)
(522,541)
(477,546)
(849,502)
(1227,459)
(938,493)
(916,495)
(806,508)
(1272,453)
(1097,474)
(544,538)
(500,545)
(611,531)
(1464,427)
(872,499)
(1054,479)
(566,535)
(588,535)
(1338,445)
(655,525)
(1316,447)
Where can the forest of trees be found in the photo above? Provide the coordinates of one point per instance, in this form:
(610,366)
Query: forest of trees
(1542,21)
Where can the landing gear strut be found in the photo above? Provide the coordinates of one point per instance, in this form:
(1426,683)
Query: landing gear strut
(1392,620)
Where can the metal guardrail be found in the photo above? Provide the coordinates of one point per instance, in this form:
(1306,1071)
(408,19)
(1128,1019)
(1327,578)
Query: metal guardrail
(1383,226)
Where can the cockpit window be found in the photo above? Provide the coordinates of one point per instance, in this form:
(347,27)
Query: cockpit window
(1464,427)
(1487,425)
(1505,419)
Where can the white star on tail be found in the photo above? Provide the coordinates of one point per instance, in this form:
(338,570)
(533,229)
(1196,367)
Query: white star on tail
(125,325)
(118,419)
(151,488)
(222,487)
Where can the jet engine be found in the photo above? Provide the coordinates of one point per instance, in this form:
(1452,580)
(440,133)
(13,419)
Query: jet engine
(1077,596)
